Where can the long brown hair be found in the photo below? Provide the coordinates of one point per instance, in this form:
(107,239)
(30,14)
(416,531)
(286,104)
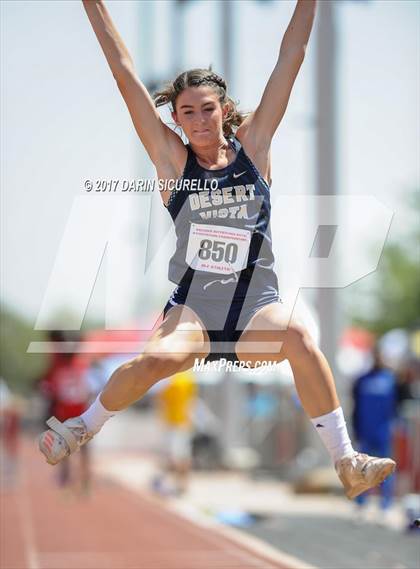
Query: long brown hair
(194,78)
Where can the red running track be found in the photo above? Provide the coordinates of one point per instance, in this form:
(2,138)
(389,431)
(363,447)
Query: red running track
(114,528)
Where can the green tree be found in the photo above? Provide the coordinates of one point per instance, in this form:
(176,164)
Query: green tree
(395,295)
(18,368)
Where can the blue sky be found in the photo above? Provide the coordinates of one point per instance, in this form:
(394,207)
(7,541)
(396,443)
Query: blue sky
(63,119)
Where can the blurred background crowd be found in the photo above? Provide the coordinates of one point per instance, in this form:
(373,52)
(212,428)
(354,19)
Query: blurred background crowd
(265,433)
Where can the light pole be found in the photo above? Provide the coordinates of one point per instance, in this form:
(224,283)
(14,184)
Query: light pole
(326,168)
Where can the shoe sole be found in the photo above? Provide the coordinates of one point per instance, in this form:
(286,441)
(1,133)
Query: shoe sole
(380,477)
(45,449)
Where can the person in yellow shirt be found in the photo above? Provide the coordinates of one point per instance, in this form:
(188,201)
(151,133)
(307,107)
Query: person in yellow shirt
(176,401)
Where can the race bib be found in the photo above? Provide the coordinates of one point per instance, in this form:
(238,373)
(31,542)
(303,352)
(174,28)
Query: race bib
(217,249)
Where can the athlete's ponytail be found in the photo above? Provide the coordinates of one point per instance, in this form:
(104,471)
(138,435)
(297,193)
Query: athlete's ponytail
(194,78)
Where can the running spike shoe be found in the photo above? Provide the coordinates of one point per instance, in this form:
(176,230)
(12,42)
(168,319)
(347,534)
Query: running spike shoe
(63,439)
(360,472)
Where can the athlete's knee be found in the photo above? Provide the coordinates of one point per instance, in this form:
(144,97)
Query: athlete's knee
(160,359)
(172,352)
(145,369)
(298,341)
(173,349)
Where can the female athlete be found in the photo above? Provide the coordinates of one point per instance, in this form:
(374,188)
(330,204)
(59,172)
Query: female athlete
(226,302)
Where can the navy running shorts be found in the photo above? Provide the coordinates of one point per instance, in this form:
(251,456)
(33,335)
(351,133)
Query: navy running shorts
(224,326)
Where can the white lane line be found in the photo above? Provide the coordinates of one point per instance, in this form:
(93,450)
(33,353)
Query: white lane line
(31,554)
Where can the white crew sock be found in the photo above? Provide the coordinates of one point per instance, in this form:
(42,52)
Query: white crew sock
(333,432)
(96,416)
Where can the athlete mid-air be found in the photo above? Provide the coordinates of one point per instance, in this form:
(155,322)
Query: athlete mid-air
(226,302)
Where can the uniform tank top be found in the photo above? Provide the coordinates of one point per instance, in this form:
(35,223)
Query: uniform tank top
(222,226)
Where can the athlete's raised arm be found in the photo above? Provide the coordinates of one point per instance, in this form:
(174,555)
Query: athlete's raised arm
(261,125)
(160,142)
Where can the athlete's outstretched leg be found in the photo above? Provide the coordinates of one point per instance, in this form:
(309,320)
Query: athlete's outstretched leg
(173,348)
(269,336)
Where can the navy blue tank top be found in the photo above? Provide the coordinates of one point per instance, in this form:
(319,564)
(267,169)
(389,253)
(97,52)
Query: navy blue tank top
(222,226)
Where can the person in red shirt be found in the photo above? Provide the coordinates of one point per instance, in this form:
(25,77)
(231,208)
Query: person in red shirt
(66,388)
(11,408)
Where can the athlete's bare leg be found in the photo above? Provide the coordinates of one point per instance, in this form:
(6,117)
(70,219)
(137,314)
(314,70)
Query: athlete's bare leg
(268,336)
(172,348)
(316,389)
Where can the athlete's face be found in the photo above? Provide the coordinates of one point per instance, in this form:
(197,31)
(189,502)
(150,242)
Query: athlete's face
(200,115)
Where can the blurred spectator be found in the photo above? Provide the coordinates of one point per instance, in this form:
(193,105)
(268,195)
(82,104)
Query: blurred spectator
(260,407)
(208,433)
(409,381)
(374,412)
(67,392)
(408,430)
(176,401)
(10,413)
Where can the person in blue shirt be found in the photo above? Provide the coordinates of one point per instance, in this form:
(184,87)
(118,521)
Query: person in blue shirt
(374,412)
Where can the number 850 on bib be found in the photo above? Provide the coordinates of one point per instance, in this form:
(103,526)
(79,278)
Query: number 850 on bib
(217,249)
